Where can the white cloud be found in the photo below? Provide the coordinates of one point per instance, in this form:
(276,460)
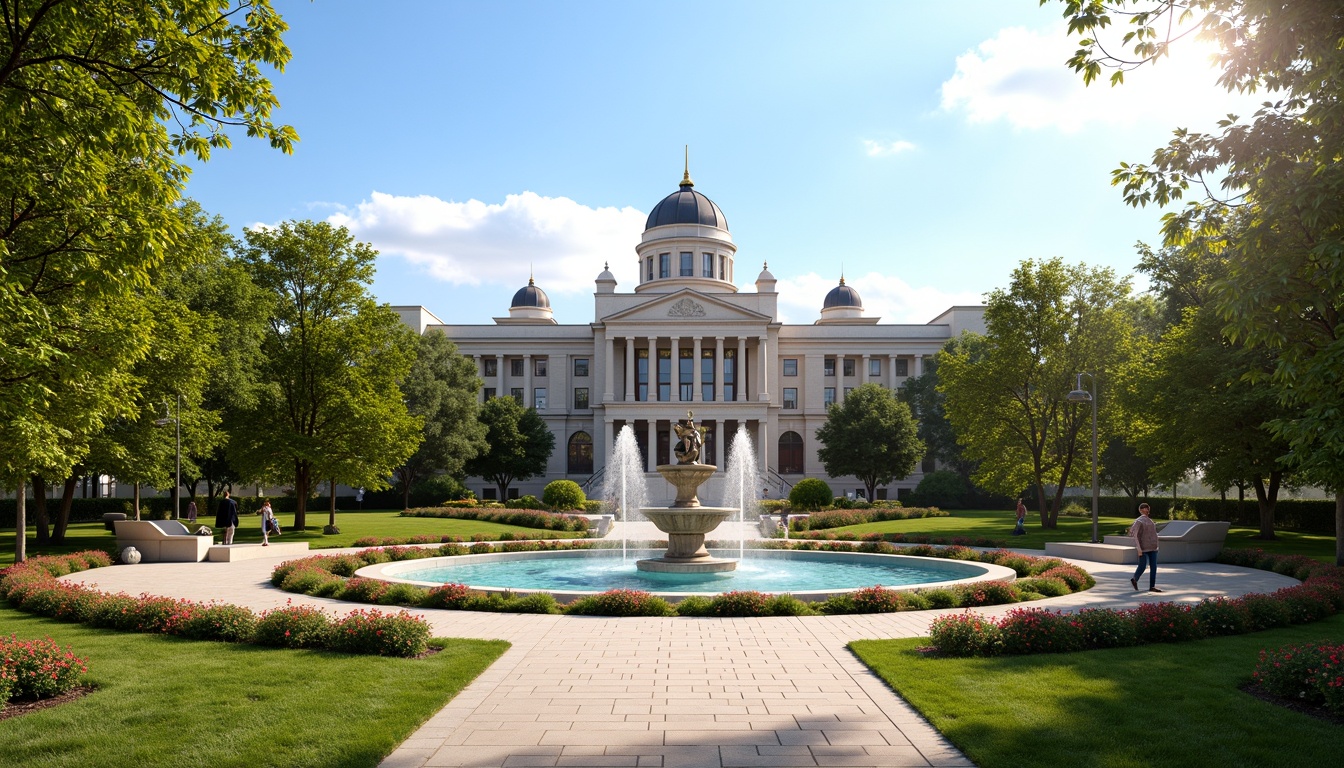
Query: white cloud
(1020,76)
(473,243)
(889,298)
(886,148)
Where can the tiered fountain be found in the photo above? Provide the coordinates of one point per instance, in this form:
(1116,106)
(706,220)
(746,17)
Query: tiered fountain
(686,522)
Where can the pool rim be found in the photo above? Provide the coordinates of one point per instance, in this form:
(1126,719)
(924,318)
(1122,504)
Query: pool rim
(990,572)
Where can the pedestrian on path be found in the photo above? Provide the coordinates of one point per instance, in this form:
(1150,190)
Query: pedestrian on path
(1144,532)
(226,517)
(267,524)
(191,511)
(1021,529)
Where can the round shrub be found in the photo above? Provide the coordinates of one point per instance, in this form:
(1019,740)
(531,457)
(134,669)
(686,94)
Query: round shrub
(1264,612)
(378,633)
(877,600)
(695,605)
(1033,630)
(220,622)
(1105,628)
(986,593)
(941,597)
(1165,623)
(563,495)
(1220,616)
(1077,578)
(1044,586)
(738,603)
(39,669)
(450,596)
(787,605)
(1311,673)
(1304,604)
(402,594)
(364,590)
(295,626)
(810,494)
(964,634)
(308,580)
(620,602)
(524,502)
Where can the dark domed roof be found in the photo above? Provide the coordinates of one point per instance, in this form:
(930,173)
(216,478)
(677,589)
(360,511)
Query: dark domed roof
(842,296)
(530,296)
(686,206)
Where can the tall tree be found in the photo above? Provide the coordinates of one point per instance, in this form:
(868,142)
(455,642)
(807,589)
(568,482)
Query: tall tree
(872,436)
(935,431)
(1280,170)
(1006,391)
(328,403)
(441,389)
(518,444)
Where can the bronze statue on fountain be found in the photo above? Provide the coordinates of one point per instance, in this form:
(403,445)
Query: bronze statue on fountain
(686,522)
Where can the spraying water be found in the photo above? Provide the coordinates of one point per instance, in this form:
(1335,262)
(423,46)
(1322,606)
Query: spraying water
(623,484)
(740,478)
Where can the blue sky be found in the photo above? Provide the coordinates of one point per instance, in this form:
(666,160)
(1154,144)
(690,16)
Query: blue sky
(924,148)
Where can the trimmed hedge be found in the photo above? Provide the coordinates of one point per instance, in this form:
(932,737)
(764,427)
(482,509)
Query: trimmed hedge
(523,518)
(1305,515)
(840,518)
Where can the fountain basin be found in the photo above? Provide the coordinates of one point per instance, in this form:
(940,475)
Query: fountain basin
(807,575)
(686,529)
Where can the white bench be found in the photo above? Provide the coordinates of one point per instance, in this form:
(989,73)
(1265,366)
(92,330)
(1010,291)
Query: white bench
(162,541)
(1184,541)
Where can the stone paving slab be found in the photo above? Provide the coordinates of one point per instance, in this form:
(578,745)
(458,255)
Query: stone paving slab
(672,692)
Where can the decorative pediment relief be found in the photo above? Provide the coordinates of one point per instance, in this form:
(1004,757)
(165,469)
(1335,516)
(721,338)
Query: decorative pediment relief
(687,307)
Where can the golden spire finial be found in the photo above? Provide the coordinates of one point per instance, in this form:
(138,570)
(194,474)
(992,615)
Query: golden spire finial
(529,274)
(686,176)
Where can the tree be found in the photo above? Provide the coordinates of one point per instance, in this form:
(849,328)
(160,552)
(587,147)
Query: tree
(872,436)
(518,444)
(1123,467)
(441,389)
(88,178)
(1280,172)
(328,403)
(927,406)
(1006,391)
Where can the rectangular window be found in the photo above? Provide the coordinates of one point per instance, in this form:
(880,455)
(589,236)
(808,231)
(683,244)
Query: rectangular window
(902,367)
(513,493)
(687,264)
(516,367)
(729,374)
(881,494)
(539,398)
(790,366)
(664,265)
(489,494)
(707,265)
(664,375)
(580,367)
(580,398)
(790,398)
(650,264)
(686,374)
(707,375)
(539,367)
(723,273)
(874,368)
(828,367)
(517,394)
(642,374)
(849,366)
(491,367)
(828,396)
(489,393)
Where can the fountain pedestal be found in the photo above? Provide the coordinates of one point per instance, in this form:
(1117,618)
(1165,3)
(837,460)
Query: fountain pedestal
(686,523)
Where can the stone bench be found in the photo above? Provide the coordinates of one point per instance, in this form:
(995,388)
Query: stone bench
(162,541)
(232,553)
(111,517)
(1097,553)
(1184,541)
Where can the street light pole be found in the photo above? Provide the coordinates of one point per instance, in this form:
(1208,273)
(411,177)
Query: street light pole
(1080,395)
(177,488)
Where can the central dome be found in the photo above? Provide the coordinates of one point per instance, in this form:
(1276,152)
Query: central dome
(686,206)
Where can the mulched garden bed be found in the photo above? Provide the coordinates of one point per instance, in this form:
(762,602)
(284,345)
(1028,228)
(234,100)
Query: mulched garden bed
(21,708)
(1312,710)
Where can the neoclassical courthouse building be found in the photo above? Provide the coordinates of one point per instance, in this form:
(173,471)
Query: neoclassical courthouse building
(687,339)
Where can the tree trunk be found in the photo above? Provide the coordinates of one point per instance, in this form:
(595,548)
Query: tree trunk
(331,518)
(21,524)
(136,501)
(405,496)
(301,480)
(1339,527)
(40,511)
(63,512)
(1266,497)
(1055,507)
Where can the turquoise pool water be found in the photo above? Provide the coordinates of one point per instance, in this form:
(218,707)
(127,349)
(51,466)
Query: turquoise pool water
(597,572)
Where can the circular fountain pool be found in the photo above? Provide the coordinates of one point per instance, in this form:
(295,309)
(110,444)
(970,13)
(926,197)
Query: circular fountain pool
(568,575)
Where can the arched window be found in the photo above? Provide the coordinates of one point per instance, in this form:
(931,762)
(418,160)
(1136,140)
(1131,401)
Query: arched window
(790,454)
(580,454)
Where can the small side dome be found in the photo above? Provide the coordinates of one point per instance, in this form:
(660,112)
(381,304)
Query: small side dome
(606,273)
(842,296)
(530,296)
(765,273)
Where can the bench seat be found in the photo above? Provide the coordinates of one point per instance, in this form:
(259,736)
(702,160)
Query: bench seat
(162,541)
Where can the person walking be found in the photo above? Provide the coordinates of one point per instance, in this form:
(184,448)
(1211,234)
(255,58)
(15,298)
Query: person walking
(191,511)
(1021,529)
(267,524)
(226,517)
(1144,532)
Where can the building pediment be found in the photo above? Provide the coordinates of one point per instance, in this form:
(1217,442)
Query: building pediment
(685,306)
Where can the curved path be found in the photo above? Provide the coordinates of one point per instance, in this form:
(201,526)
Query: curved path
(592,691)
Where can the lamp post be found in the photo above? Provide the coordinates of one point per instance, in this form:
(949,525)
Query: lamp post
(176,421)
(1080,395)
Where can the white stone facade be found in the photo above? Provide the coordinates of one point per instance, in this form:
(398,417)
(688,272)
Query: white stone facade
(721,353)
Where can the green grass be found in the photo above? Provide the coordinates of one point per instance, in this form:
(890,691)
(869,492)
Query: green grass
(999,524)
(1154,705)
(353,525)
(164,701)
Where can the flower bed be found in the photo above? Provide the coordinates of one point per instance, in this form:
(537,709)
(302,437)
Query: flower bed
(1311,674)
(31,586)
(1039,631)
(329,576)
(31,670)
(839,518)
(524,518)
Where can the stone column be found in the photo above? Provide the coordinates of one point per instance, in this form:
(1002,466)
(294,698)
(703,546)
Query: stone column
(740,371)
(675,373)
(919,366)
(891,372)
(651,440)
(863,377)
(630,369)
(839,378)
(499,375)
(603,452)
(718,369)
(696,381)
(763,363)
(763,446)
(609,375)
(528,400)
(717,431)
(653,369)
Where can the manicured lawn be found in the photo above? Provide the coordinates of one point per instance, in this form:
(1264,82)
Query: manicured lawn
(998,524)
(353,525)
(1173,704)
(164,701)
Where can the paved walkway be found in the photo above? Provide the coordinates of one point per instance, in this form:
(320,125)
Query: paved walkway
(591,691)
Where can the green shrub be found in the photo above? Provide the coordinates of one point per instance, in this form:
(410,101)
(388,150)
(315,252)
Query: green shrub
(378,633)
(1165,623)
(1044,586)
(222,623)
(403,594)
(563,495)
(1077,578)
(524,502)
(1220,616)
(810,494)
(738,603)
(39,669)
(1105,628)
(1033,630)
(941,597)
(1264,612)
(364,590)
(295,626)
(787,605)
(964,634)
(438,489)
(620,602)
(1312,673)
(986,593)
(450,596)
(695,605)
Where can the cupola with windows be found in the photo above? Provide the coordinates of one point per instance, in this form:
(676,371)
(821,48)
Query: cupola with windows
(686,244)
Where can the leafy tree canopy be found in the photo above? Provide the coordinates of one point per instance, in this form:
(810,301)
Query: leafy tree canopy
(518,444)
(441,389)
(872,436)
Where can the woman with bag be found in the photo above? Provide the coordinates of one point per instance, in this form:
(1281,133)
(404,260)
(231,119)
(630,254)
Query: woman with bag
(1021,529)
(268,524)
